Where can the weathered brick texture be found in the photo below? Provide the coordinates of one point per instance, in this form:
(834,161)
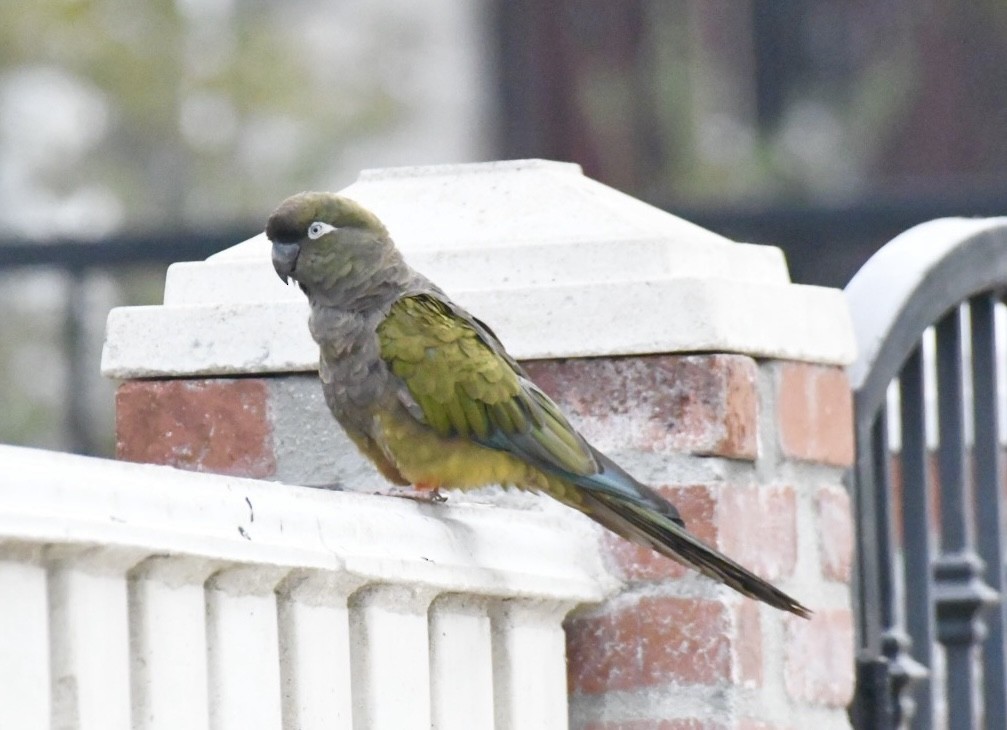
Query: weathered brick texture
(749,644)
(835,532)
(214,425)
(758,524)
(699,404)
(815,413)
(818,663)
(661,640)
(702,404)
(645,642)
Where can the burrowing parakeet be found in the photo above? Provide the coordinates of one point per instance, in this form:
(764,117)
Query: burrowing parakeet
(428,393)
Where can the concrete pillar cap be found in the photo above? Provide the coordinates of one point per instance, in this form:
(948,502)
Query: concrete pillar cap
(558,264)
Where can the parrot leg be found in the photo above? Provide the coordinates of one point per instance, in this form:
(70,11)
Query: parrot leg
(428,493)
(421,493)
(428,496)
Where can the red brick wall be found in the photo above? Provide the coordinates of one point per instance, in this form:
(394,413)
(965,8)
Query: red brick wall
(751,452)
(218,425)
(672,650)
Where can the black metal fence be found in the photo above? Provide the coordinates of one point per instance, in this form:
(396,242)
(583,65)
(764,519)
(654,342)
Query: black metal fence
(929,512)
(76,260)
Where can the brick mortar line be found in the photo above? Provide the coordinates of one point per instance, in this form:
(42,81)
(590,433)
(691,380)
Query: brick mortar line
(671,701)
(769,454)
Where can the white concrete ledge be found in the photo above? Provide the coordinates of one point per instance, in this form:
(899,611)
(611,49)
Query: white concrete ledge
(139,596)
(558,264)
(54,498)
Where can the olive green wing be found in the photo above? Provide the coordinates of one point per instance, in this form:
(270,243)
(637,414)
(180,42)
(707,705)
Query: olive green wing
(461,383)
(464,385)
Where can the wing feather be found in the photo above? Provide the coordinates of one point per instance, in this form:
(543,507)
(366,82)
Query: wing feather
(465,385)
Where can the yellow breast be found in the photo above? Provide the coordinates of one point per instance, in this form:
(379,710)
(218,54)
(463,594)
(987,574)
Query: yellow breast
(429,460)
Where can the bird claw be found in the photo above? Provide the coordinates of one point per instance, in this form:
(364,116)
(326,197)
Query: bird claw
(423,496)
(434,496)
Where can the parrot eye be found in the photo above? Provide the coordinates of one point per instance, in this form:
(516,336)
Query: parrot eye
(318,229)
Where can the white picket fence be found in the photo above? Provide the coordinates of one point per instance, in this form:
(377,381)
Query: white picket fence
(136,596)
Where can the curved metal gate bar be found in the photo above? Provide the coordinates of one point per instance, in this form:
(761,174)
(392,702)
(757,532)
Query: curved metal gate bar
(947,274)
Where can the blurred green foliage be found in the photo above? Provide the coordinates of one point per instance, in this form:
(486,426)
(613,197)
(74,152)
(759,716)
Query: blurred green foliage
(212,110)
(116,114)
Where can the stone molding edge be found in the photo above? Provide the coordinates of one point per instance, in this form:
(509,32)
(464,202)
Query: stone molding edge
(560,266)
(142,510)
(804,323)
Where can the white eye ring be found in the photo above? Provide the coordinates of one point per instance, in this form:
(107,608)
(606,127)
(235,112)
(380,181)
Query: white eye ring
(318,229)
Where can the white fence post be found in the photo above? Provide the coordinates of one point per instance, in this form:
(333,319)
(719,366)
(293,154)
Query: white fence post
(528,650)
(169,644)
(129,598)
(460,632)
(24,638)
(315,656)
(88,620)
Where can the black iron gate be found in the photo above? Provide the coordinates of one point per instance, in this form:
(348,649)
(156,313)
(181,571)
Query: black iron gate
(928,483)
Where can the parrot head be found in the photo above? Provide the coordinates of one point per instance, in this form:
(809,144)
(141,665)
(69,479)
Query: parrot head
(323,241)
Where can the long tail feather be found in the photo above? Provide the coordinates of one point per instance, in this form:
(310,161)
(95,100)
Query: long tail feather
(659,533)
(644,517)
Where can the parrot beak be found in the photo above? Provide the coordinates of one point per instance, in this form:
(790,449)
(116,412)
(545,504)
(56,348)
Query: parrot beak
(285,259)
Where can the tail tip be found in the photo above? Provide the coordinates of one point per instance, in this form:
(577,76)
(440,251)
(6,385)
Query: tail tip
(798,609)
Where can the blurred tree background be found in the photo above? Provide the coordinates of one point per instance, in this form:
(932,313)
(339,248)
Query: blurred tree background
(821,127)
(776,99)
(120,118)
